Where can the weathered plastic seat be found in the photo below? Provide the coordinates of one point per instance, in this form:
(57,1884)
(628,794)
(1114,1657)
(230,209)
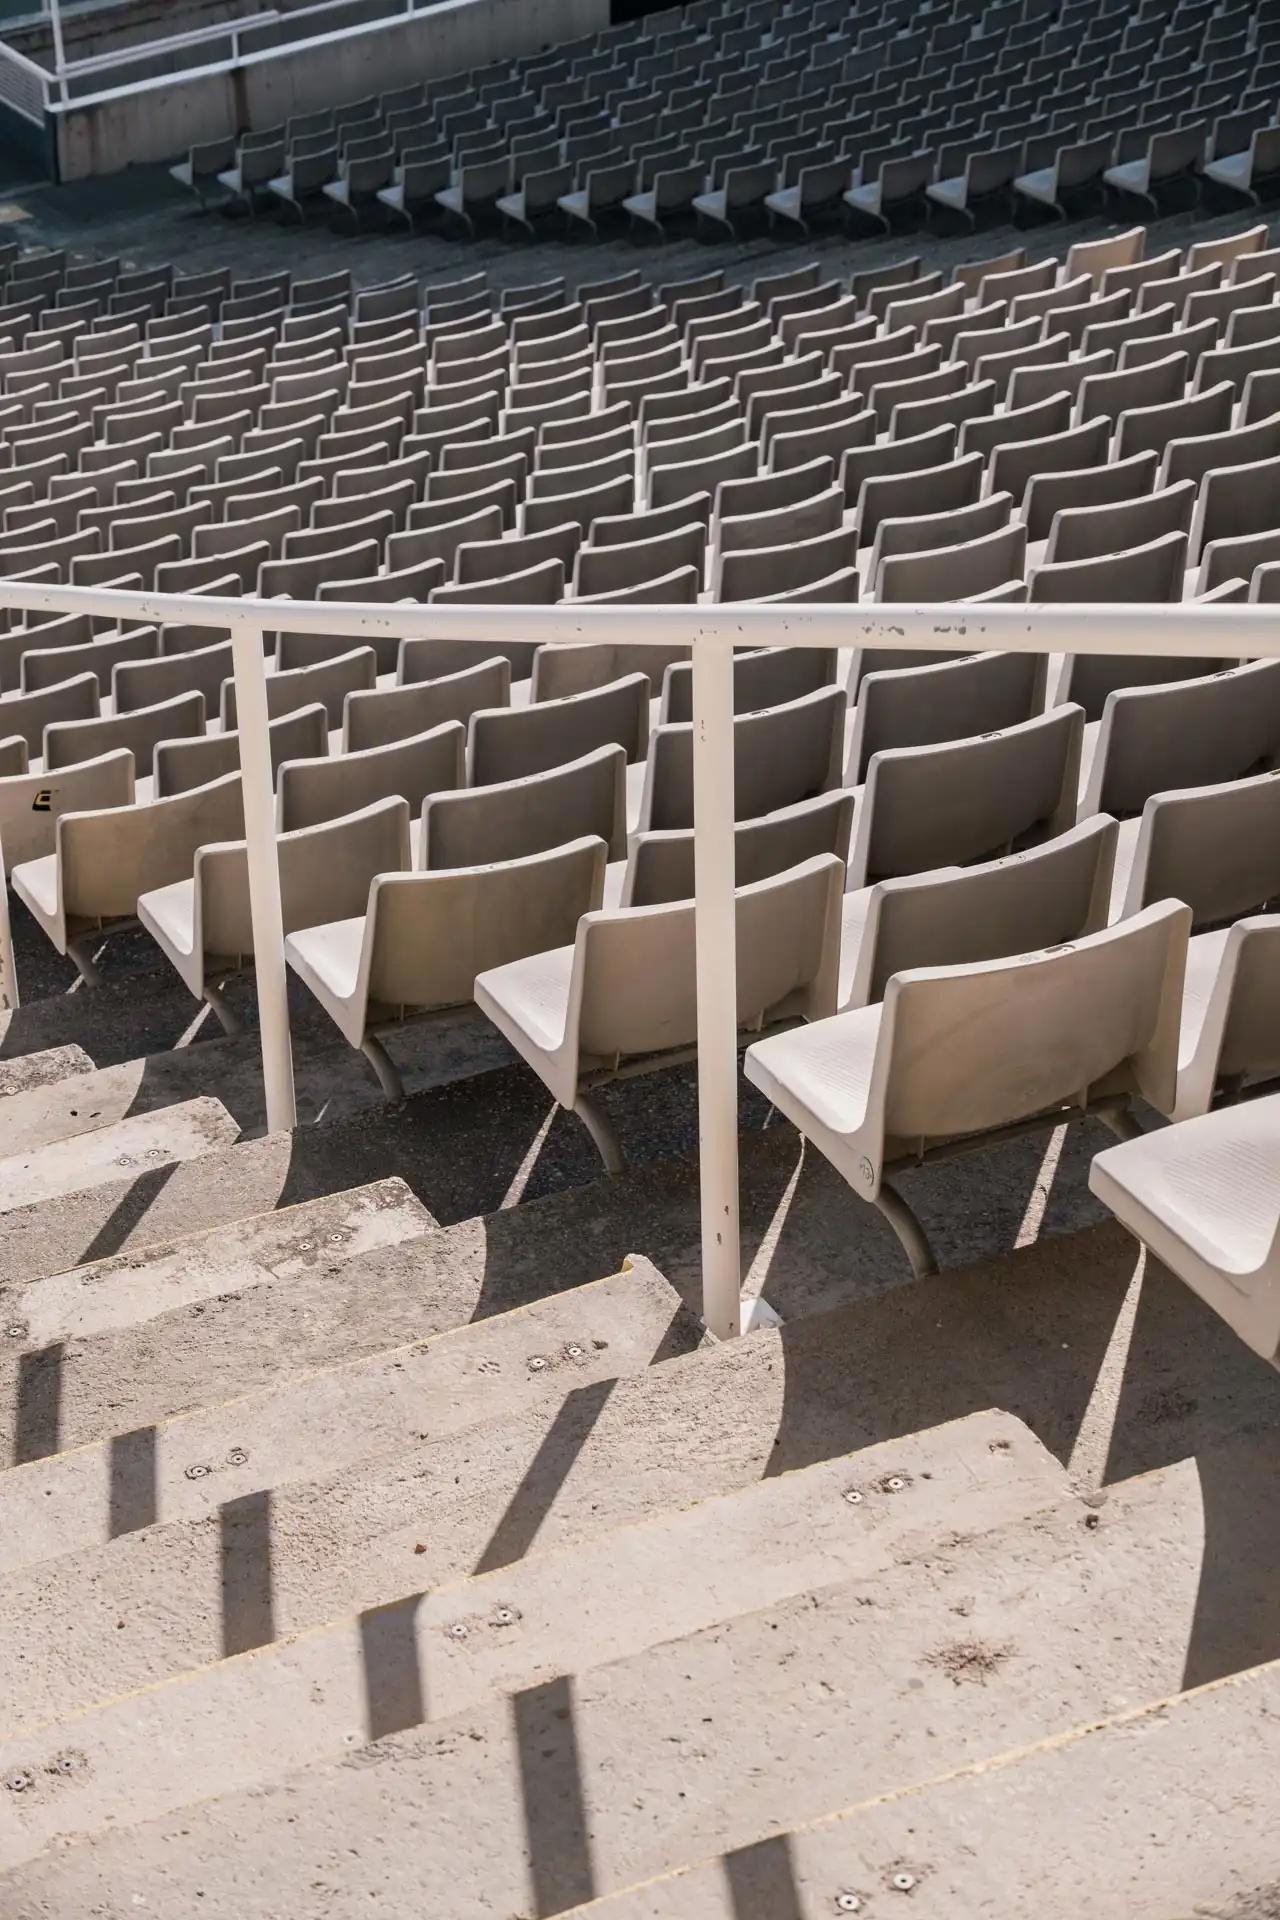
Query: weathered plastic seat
(105,860)
(957,1055)
(423,938)
(202,921)
(1204,1197)
(621,1000)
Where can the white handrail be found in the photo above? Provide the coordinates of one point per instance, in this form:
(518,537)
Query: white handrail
(1220,632)
(150,49)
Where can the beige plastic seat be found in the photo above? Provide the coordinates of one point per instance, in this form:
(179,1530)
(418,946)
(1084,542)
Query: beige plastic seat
(622,1001)
(904,705)
(309,792)
(956,571)
(68,741)
(607,569)
(659,866)
(31,804)
(511,742)
(422,939)
(1186,733)
(1216,848)
(781,755)
(562,670)
(327,683)
(183,764)
(957,1055)
(1090,533)
(48,667)
(752,572)
(106,859)
(1204,1196)
(202,920)
(949,916)
(1152,572)
(514,819)
(1047,494)
(966,799)
(771,677)
(927,532)
(375,717)
(145,683)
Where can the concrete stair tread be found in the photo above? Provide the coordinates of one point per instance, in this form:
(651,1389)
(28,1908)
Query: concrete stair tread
(105,1349)
(579,1786)
(330,1079)
(428,1656)
(1025,1334)
(320,1422)
(140,1144)
(1149,1836)
(45,1068)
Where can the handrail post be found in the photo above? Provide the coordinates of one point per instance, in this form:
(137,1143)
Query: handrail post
(717,967)
(270,973)
(8,965)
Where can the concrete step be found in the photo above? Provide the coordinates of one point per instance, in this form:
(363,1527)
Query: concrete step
(144,1145)
(43,1069)
(578,1787)
(331,1080)
(314,1423)
(427,1656)
(1030,1335)
(1169,1812)
(105,1349)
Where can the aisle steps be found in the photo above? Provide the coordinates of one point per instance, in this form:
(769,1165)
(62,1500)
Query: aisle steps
(577,1785)
(430,1656)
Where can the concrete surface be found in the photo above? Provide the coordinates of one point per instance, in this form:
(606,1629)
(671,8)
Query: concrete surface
(316,1423)
(1024,1335)
(708,1743)
(1152,1815)
(188,1130)
(427,1656)
(49,1068)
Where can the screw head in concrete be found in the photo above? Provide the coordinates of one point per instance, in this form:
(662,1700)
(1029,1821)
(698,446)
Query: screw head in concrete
(853,1496)
(847,1902)
(573,1351)
(505,1616)
(16,1330)
(197,1472)
(237,1457)
(538,1363)
(457,1630)
(19,1781)
(903,1882)
(895,1483)
(66,1762)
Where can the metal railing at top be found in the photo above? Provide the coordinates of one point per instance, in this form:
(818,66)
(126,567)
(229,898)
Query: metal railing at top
(1229,633)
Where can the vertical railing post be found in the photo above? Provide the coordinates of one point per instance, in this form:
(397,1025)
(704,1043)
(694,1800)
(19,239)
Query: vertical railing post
(713,866)
(270,972)
(8,965)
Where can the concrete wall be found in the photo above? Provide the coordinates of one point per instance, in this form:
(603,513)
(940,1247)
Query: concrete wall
(161,120)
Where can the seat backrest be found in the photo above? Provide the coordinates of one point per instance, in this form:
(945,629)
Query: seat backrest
(768,678)
(142,683)
(634,972)
(325,874)
(514,819)
(955,915)
(967,1049)
(43,668)
(31,804)
(328,682)
(177,719)
(660,865)
(750,572)
(1092,533)
(781,755)
(511,742)
(1093,486)
(311,791)
(1217,848)
(967,799)
(107,859)
(183,764)
(955,571)
(1188,733)
(375,717)
(1152,572)
(430,934)
(919,706)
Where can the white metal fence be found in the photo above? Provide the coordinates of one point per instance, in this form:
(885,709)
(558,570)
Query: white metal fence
(24,86)
(1228,633)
